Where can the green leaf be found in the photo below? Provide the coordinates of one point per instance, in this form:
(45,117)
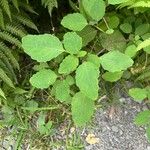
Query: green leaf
(94,8)
(113,22)
(126,28)
(2,94)
(115,61)
(87,79)
(87,34)
(114,2)
(72,42)
(138,94)
(62,91)
(81,53)
(142,29)
(115,41)
(43,79)
(142,118)
(148,132)
(70,80)
(75,22)
(131,50)
(42,47)
(93,59)
(144,44)
(82,109)
(112,76)
(68,65)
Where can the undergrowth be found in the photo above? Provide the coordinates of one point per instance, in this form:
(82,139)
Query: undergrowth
(95,47)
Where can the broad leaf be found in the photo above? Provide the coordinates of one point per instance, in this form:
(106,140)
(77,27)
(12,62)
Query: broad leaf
(72,42)
(68,65)
(115,61)
(70,80)
(142,118)
(142,29)
(62,91)
(112,76)
(94,8)
(43,79)
(138,94)
(42,47)
(82,109)
(75,22)
(87,79)
(126,28)
(94,59)
(113,21)
(87,34)
(131,50)
(115,41)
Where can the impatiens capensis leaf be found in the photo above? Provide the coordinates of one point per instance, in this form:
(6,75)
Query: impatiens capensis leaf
(72,42)
(62,91)
(143,118)
(68,65)
(75,22)
(43,79)
(115,61)
(42,48)
(87,79)
(94,8)
(138,94)
(82,109)
(112,76)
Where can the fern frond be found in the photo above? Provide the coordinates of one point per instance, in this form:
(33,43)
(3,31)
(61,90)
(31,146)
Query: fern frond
(16,5)
(15,30)
(6,8)
(9,66)
(9,55)
(50,4)
(8,37)
(25,21)
(140,4)
(2,25)
(5,78)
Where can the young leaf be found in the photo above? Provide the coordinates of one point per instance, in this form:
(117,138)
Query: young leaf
(115,61)
(87,79)
(62,91)
(82,109)
(94,59)
(81,53)
(68,65)
(42,47)
(142,118)
(142,29)
(113,22)
(144,44)
(43,79)
(131,50)
(126,28)
(112,76)
(138,94)
(75,22)
(70,80)
(94,8)
(72,42)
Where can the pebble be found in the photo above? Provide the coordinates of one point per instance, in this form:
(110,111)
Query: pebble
(114,129)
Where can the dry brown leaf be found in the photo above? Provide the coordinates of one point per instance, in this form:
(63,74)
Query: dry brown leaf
(91,139)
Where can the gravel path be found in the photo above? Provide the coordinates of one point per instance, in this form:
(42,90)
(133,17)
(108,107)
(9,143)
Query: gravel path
(114,131)
(118,132)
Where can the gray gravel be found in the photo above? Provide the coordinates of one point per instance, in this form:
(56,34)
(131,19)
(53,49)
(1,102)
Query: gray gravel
(118,133)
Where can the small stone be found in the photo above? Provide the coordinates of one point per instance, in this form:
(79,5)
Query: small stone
(122,100)
(148,148)
(114,129)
